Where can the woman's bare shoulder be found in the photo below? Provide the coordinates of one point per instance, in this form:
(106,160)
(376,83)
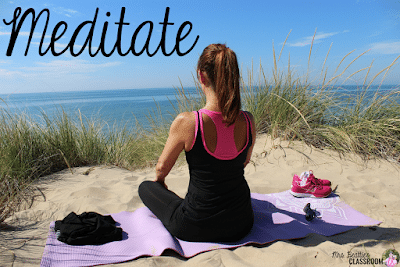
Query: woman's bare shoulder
(185,120)
(183,128)
(186,117)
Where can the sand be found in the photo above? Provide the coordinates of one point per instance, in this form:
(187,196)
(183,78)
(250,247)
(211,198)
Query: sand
(371,187)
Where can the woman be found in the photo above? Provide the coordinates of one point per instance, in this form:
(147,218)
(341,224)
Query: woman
(218,141)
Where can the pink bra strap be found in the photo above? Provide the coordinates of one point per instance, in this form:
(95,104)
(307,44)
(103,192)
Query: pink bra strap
(226,148)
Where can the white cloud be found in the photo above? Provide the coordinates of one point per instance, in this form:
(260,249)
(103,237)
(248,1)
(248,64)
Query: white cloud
(76,47)
(70,11)
(56,45)
(57,69)
(69,66)
(376,33)
(305,41)
(35,34)
(385,48)
(4,72)
(65,11)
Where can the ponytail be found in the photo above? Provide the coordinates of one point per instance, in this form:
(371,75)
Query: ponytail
(221,66)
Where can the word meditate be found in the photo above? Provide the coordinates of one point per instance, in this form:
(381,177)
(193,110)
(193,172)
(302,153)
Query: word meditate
(61,27)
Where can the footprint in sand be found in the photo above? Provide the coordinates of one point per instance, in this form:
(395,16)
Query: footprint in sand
(360,179)
(131,178)
(91,192)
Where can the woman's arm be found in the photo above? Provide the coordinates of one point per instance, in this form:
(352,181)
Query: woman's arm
(253,133)
(180,132)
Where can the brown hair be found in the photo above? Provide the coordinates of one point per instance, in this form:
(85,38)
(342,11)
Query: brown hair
(220,64)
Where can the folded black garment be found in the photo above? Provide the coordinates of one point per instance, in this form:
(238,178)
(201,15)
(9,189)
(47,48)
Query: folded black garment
(89,228)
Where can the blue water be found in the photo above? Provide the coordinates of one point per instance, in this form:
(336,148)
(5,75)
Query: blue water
(118,107)
(112,107)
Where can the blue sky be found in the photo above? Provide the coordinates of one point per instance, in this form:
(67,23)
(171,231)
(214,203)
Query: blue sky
(250,28)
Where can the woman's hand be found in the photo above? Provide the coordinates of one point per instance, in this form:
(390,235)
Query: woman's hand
(162,182)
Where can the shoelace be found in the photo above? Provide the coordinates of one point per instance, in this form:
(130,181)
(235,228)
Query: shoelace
(315,182)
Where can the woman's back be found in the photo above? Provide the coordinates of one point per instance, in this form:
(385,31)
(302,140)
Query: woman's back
(216,176)
(211,138)
(218,197)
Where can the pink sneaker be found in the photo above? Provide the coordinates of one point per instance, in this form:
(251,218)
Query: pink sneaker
(311,175)
(309,187)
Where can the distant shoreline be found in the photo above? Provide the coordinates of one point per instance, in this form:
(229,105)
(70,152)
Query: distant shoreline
(3,95)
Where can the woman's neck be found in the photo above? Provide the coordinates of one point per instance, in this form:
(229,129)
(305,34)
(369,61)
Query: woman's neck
(211,100)
(212,107)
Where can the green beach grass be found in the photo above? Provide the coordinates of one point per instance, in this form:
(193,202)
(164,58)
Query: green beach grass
(284,105)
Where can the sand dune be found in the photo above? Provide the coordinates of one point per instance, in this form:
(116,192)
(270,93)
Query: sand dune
(372,188)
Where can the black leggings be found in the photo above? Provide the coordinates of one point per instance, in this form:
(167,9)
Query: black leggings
(161,201)
(166,205)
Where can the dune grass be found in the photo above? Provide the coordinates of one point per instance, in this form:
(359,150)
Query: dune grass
(290,107)
(284,105)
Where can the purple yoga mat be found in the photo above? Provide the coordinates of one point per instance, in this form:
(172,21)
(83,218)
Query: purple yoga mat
(278,216)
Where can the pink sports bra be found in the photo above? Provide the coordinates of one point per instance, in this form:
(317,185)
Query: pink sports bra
(226,147)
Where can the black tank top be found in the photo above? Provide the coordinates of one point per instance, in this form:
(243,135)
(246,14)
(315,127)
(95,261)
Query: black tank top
(218,194)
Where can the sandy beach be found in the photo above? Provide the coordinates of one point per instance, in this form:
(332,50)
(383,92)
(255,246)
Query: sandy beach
(370,187)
